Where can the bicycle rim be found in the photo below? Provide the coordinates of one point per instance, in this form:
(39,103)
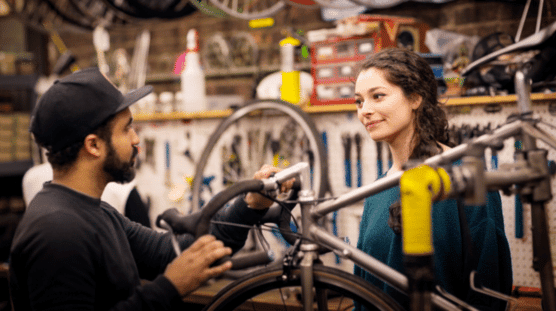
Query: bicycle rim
(267,290)
(286,110)
(247,10)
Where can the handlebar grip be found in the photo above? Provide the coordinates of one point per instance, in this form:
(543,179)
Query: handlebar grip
(246,261)
(219,200)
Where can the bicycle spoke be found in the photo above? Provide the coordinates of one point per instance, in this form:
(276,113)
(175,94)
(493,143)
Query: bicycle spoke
(283,301)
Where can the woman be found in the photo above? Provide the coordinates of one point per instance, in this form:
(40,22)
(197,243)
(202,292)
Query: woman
(396,98)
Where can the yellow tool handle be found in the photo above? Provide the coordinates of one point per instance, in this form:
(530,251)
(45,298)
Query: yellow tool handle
(418,188)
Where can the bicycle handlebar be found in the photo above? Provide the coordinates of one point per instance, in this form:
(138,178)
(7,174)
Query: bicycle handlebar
(198,223)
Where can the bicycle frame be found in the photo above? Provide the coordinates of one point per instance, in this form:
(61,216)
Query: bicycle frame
(470,179)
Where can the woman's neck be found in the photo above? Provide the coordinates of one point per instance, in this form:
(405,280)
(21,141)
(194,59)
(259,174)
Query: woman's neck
(401,151)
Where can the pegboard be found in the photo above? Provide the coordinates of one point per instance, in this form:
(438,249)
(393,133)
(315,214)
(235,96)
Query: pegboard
(521,248)
(155,180)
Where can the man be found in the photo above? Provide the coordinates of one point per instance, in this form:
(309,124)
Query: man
(71,250)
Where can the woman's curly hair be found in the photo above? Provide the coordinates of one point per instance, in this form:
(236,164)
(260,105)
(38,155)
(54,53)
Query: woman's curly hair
(414,75)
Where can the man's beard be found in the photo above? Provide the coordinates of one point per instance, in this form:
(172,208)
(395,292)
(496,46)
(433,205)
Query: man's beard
(118,170)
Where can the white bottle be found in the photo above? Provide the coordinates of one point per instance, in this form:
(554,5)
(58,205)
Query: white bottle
(194,96)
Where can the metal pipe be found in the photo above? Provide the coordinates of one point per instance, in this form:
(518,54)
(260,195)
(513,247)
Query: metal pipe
(379,269)
(539,16)
(497,179)
(542,261)
(523,92)
(522,22)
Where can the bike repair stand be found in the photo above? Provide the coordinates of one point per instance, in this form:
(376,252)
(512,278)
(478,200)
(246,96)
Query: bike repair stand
(419,188)
(536,194)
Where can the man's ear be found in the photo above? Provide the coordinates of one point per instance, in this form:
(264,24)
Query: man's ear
(93,145)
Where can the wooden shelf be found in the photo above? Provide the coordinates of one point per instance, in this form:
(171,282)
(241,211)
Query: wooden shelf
(487,100)
(173,116)
(455,101)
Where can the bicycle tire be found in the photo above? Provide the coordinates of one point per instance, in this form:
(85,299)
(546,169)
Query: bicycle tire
(249,9)
(320,171)
(243,292)
(334,4)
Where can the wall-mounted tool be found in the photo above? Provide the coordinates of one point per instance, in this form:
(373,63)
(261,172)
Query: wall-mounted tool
(346,143)
(359,169)
(168,177)
(206,185)
(187,152)
(518,204)
(288,139)
(149,152)
(231,162)
(379,158)
(138,71)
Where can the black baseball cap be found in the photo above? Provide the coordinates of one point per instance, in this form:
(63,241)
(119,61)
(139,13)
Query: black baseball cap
(76,105)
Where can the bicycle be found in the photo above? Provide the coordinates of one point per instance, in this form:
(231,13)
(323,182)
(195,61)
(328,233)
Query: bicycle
(529,176)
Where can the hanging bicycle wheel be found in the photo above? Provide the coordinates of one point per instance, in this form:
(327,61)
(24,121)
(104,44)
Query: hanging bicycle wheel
(267,289)
(379,4)
(337,4)
(249,9)
(278,133)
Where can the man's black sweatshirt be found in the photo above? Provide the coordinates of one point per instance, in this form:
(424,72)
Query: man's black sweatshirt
(74,252)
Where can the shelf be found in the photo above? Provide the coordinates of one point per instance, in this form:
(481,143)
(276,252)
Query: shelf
(456,101)
(488,100)
(15,168)
(212,114)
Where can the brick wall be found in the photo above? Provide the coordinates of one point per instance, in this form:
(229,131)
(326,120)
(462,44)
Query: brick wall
(467,17)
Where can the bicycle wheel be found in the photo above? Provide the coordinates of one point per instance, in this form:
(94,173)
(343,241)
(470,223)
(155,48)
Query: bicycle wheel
(279,132)
(249,9)
(266,289)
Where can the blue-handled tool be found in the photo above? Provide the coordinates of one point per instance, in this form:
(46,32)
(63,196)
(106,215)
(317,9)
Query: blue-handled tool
(346,142)
(168,181)
(378,158)
(518,205)
(359,169)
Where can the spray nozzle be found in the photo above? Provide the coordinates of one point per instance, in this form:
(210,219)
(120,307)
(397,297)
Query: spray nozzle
(192,40)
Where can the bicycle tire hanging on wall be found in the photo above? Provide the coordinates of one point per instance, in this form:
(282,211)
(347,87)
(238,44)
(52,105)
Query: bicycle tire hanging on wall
(314,144)
(247,9)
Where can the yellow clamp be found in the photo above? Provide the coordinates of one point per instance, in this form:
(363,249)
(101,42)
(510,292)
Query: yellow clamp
(419,187)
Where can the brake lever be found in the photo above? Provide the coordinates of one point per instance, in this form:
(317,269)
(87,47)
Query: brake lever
(164,225)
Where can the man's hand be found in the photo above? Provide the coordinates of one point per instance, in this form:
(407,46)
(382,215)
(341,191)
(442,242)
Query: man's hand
(256,200)
(192,268)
